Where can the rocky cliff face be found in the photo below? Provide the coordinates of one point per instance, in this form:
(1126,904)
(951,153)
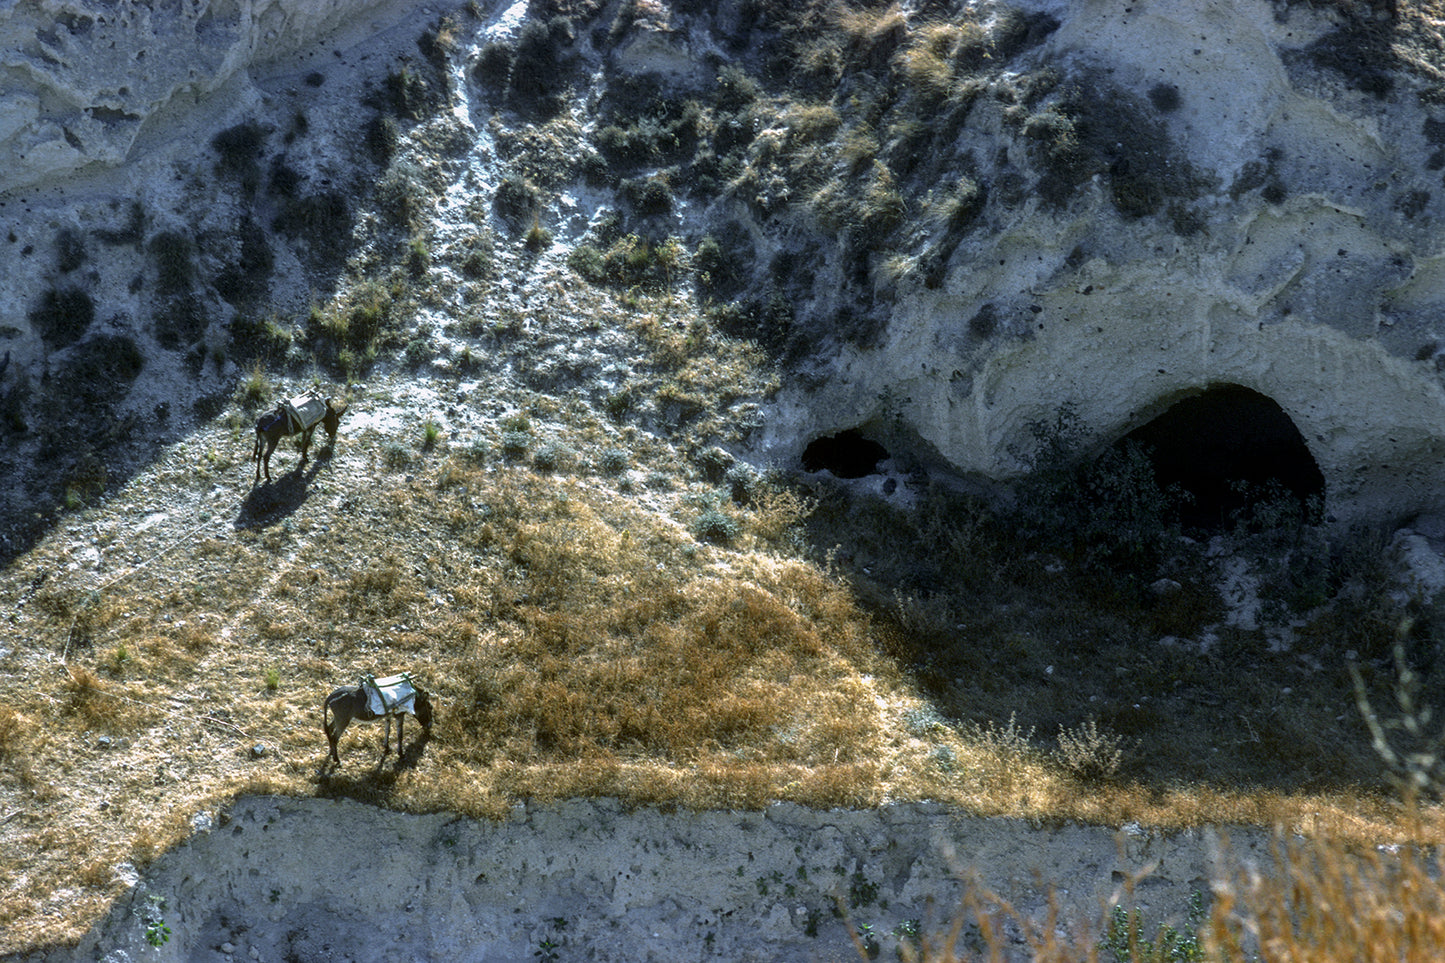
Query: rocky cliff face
(1240,194)
(949,222)
(316,878)
(84,82)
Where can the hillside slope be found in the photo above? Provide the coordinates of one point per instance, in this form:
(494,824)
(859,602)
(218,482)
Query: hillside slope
(521,261)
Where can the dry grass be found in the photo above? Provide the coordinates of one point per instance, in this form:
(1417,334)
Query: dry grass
(1326,900)
(579,640)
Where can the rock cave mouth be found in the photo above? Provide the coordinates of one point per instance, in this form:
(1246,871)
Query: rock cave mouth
(1230,450)
(848,454)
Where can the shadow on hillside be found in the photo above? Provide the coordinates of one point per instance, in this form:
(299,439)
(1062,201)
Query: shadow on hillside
(271,501)
(1021,646)
(370,783)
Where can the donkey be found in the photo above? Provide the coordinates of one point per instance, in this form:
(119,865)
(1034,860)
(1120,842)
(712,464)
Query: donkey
(371,700)
(297,416)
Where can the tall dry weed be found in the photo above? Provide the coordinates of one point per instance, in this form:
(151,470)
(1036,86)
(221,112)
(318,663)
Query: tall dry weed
(1328,901)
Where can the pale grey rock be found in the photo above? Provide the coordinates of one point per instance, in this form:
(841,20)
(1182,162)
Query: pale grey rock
(1326,301)
(593,879)
(83,78)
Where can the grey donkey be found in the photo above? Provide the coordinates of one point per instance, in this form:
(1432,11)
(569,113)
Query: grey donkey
(295,417)
(355,702)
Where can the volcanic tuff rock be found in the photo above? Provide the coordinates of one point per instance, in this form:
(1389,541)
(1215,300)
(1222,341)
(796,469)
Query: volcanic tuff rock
(1263,210)
(1166,196)
(84,80)
(314,878)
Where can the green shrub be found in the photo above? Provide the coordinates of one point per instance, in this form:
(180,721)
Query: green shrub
(323,220)
(614,461)
(1109,510)
(477,256)
(401,194)
(735,89)
(517,200)
(715,526)
(418,257)
(417,351)
(539,75)
(1126,942)
(69,250)
(62,316)
(588,262)
(649,195)
(494,66)
(515,444)
(382,138)
(538,238)
(550,456)
(407,94)
(239,149)
(175,262)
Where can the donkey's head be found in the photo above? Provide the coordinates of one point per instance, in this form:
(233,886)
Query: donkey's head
(422,702)
(335,408)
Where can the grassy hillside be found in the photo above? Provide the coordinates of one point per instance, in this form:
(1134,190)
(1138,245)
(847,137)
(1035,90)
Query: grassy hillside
(599,612)
(532,507)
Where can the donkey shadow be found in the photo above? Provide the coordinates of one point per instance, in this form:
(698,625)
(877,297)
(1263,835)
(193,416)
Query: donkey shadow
(274,500)
(372,783)
(411,754)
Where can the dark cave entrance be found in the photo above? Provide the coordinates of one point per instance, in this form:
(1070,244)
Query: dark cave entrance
(1230,449)
(847,454)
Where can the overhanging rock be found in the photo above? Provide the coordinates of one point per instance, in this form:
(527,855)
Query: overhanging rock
(1292,250)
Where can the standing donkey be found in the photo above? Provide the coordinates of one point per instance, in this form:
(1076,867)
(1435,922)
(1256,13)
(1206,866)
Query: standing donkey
(297,416)
(374,699)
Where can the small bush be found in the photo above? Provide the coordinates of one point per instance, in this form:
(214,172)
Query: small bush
(1088,754)
(477,256)
(382,138)
(494,66)
(395,456)
(614,461)
(516,444)
(175,262)
(255,388)
(538,238)
(648,195)
(735,89)
(418,257)
(401,194)
(715,526)
(63,316)
(1126,942)
(69,250)
(1109,510)
(239,150)
(517,200)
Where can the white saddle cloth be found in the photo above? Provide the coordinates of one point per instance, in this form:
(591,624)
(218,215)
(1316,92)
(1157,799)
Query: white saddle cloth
(390,695)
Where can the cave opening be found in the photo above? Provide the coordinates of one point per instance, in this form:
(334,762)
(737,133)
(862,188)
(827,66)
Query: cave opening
(1229,449)
(847,454)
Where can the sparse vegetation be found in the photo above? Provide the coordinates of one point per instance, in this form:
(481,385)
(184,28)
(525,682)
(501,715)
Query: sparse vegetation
(723,637)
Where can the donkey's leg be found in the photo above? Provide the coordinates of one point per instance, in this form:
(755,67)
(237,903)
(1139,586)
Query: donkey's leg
(271,441)
(306,442)
(335,716)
